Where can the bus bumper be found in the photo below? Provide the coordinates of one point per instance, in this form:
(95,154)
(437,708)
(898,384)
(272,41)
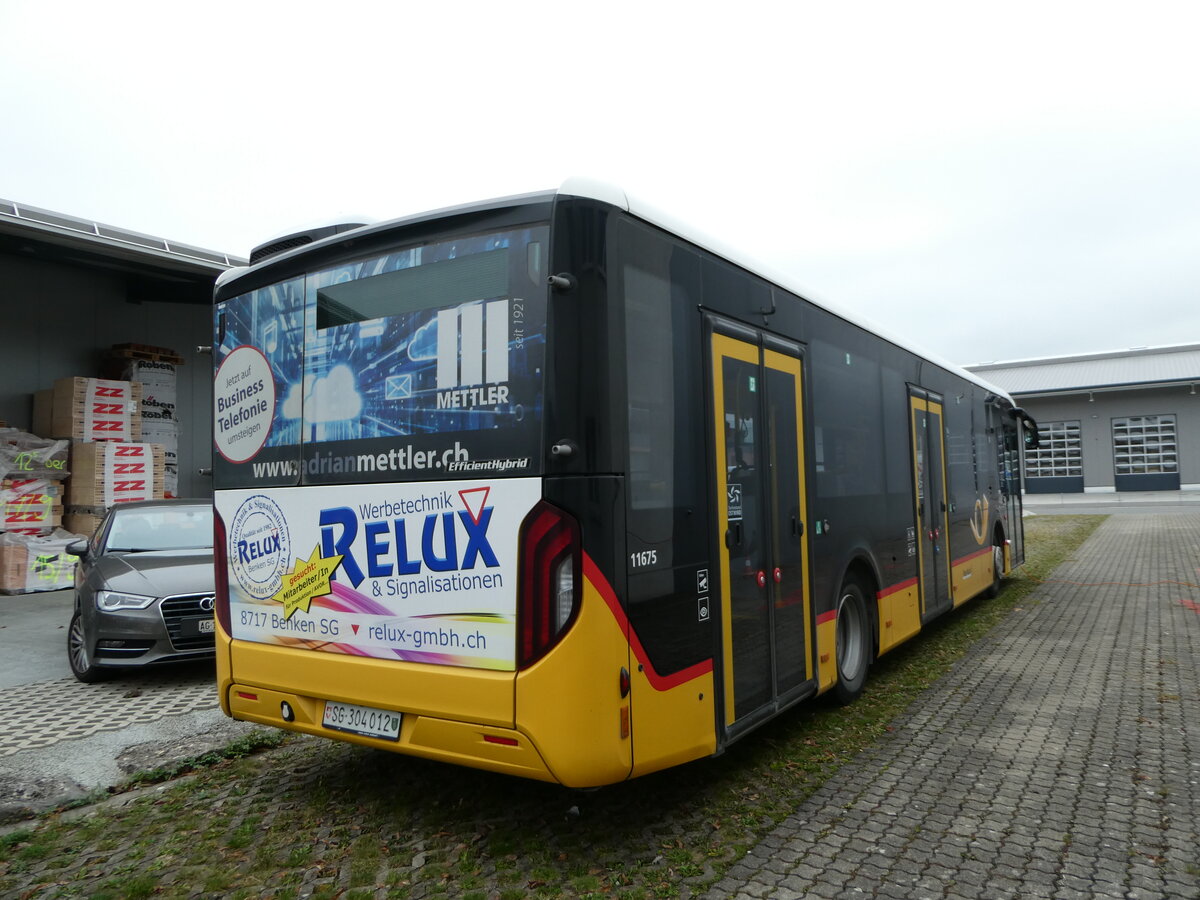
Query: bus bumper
(487,747)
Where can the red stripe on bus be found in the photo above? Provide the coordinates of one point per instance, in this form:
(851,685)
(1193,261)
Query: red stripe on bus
(659,682)
(904,585)
(827,617)
(970,556)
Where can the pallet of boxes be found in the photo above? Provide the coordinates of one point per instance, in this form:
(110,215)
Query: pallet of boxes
(154,368)
(33,543)
(110,462)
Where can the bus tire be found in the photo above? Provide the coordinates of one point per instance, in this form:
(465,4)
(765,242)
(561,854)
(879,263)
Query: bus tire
(993,590)
(853,641)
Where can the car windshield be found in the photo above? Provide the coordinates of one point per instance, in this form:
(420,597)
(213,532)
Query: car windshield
(161,528)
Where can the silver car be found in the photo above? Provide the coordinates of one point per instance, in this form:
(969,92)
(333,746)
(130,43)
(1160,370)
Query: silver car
(144,588)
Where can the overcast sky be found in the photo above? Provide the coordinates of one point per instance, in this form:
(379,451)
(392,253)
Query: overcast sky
(992,181)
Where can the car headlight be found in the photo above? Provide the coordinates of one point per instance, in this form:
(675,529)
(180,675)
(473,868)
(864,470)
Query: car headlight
(116,600)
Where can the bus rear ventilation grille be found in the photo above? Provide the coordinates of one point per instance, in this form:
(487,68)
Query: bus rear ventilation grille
(288,243)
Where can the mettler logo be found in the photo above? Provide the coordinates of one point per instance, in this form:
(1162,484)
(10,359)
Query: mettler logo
(450,540)
(259,546)
(472,355)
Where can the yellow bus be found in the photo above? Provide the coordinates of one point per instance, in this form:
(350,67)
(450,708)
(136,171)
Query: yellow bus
(553,486)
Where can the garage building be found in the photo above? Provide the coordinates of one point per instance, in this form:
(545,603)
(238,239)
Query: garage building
(1127,420)
(74,288)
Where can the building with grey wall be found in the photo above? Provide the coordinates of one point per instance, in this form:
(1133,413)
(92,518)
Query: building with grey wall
(72,288)
(1127,420)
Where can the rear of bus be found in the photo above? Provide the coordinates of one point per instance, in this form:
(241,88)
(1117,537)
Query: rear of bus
(394,568)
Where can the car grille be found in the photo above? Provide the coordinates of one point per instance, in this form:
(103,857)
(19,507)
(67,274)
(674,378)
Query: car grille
(186,608)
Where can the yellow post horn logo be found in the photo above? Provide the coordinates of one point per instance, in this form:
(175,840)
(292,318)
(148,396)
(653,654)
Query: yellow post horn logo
(979,521)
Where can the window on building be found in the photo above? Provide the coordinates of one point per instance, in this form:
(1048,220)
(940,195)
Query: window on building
(1145,445)
(1059,453)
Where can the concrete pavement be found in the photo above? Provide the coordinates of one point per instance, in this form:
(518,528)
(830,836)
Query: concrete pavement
(1058,759)
(33,636)
(63,740)
(1164,502)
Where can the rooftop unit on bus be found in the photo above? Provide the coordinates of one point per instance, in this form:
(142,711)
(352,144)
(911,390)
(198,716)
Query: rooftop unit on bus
(296,239)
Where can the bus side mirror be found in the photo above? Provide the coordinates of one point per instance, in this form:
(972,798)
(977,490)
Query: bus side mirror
(1030,430)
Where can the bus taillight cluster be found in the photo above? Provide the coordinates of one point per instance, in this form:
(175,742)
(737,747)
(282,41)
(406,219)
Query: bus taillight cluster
(549,576)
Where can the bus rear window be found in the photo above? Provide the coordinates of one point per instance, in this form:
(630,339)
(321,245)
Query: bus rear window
(438,284)
(421,363)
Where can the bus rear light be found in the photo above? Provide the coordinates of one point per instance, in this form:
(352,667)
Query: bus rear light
(564,589)
(503,741)
(246,695)
(221,564)
(548,580)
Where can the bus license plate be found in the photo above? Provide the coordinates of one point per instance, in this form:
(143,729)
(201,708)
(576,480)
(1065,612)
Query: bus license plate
(364,720)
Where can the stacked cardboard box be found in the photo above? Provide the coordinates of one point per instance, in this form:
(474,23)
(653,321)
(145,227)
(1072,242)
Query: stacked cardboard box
(107,472)
(89,409)
(83,520)
(32,556)
(158,412)
(36,563)
(30,506)
(31,490)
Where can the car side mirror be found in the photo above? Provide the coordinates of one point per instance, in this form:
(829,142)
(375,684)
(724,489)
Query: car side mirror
(77,548)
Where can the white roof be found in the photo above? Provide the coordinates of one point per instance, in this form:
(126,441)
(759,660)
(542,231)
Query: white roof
(1136,367)
(608,193)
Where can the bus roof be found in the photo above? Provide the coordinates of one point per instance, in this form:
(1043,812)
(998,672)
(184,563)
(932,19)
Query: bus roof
(605,192)
(593,189)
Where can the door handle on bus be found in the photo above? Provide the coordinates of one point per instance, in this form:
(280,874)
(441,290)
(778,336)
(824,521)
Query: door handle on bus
(733,535)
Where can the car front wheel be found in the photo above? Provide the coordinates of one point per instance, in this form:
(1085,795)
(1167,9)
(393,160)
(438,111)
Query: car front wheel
(78,654)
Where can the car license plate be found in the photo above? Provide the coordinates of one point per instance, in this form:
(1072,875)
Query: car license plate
(364,720)
(206,626)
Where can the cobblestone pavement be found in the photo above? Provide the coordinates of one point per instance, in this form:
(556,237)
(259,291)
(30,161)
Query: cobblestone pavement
(64,710)
(1060,758)
(63,740)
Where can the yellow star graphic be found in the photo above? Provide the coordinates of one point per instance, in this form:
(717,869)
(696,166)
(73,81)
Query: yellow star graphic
(308,580)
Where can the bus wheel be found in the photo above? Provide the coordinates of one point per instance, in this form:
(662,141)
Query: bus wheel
(853,641)
(997,567)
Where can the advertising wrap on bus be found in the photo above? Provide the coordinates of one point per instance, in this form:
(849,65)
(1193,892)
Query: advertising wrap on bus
(376,447)
(424,571)
(424,363)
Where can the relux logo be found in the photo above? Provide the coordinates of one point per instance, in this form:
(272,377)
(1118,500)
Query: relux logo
(393,548)
(259,546)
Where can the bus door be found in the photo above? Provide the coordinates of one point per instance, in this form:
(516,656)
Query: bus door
(932,507)
(1011,480)
(765,606)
